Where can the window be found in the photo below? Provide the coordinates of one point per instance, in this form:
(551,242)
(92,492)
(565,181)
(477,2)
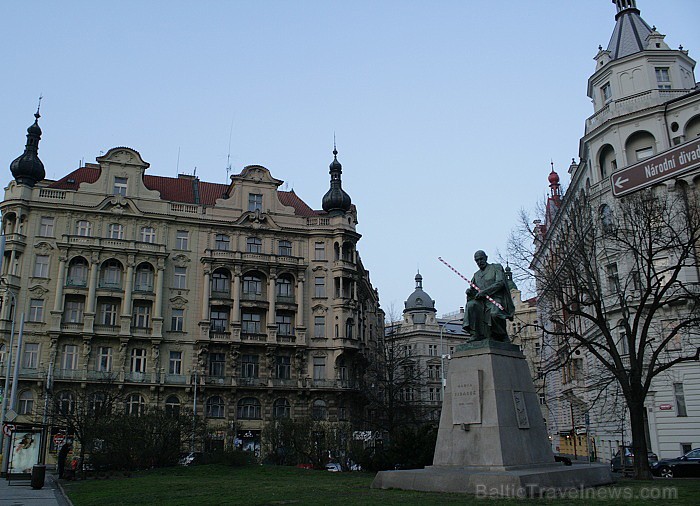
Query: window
(613,278)
(175,364)
(284,287)
(285,249)
(606,92)
(319,327)
(69,360)
(249,366)
(36,310)
(177,320)
(65,403)
(249,409)
(83,228)
(663,78)
(108,314)
(284,324)
(320,251)
(434,394)
(319,368)
(281,409)
(30,356)
(73,311)
(119,186)
(104,359)
(622,344)
(172,406)
(46,226)
(217,364)
(142,314)
(220,282)
(222,242)
(135,405)
(111,274)
(254,245)
(77,272)
(215,407)
(342,369)
(148,234)
(144,278)
(432,350)
(180,278)
(318,410)
(252,285)
(680,399)
(3,354)
(644,153)
(542,398)
(26,403)
(349,326)
(41,266)
(319,287)
(138,360)
(686,448)
(254,202)
(182,239)
(115,231)
(434,371)
(284,366)
(218,318)
(251,323)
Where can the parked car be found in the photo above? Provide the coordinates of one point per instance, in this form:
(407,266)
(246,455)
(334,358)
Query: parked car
(333,467)
(686,465)
(565,460)
(616,462)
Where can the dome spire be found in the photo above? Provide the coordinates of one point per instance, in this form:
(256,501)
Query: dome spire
(336,200)
(27,168)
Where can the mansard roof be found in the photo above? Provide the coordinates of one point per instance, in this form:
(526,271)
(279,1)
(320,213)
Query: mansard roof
(179,189)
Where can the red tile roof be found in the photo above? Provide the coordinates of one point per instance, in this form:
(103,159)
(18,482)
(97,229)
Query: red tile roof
(180,189)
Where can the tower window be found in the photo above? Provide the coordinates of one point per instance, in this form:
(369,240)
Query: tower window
(663,78)
(606,92)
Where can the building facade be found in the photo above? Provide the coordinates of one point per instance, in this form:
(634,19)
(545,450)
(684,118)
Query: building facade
(646,102)
(237,300)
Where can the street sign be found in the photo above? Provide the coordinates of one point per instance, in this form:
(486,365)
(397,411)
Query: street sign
(657,168)
(665,407)
(10,415)
(8,429)
(58,439)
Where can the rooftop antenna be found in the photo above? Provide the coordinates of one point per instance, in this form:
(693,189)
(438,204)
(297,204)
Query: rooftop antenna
(228,156)
(39,106)
(177,166)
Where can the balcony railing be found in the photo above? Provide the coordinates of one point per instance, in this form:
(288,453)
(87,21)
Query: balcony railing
(110,285)
(143,287)
(285,299)
(175,379)
(248,336)
(253,296)
(76,282)
(138,377)
(68,374)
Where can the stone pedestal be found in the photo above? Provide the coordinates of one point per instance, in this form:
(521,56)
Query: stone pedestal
(492,438)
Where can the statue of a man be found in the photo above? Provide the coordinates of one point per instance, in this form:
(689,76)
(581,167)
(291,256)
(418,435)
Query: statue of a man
(483,318)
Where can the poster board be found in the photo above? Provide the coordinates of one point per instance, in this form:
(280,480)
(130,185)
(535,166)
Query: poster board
(25,451)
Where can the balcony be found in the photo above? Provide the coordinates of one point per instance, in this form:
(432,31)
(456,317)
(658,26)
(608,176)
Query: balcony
(76,282)
(250,382)
(284,382)
(219,335)
(109,285)
(259,297)
(138,377)
(175,379)
(285,299)
(68,374)
(323,383)
(146,287)
(220,294)
(247,336)
(286,338)
(72,326)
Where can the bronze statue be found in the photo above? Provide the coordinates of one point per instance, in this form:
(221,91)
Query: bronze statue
(489,303)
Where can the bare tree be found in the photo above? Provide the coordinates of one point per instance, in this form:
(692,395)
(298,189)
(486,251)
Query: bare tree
(619,280)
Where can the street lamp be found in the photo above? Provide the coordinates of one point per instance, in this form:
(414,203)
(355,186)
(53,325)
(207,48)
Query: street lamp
(8,368)
(443,355)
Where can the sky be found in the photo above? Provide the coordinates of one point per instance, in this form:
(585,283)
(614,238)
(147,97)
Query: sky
(447,114)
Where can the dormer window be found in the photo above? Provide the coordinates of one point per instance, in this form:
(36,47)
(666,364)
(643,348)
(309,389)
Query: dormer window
(254,202)
(606,93)
(119,186)
(663,78)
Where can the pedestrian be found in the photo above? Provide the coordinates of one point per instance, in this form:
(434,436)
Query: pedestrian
(62,455)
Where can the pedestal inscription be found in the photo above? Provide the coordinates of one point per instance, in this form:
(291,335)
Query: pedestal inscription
(521,410)
(466,398)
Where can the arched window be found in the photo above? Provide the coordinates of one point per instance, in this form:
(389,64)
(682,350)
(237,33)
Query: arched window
(135,405)
(172,406)
(111,274)
(221,282)
(26,403)
(349,326)
(144,278)
(281,409)
(252,285)
(215,406)
(65,403)
(284,287)
(77,272)
(318,410)
(607,161)
(640,145)
(249,409)
(98,403)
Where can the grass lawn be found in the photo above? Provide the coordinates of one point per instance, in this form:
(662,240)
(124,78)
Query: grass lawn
(270,485)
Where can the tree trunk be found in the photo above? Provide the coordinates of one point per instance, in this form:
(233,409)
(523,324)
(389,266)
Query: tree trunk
(639,441)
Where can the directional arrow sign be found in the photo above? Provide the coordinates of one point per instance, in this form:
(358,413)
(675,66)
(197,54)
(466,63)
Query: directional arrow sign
(657,168)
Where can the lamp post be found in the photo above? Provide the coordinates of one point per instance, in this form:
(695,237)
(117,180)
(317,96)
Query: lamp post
(443,355)
(8,368)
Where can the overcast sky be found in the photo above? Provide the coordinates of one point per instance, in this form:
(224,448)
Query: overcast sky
(446,113)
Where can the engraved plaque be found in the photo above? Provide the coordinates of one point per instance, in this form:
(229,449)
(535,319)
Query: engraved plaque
(521,410)
(466,398)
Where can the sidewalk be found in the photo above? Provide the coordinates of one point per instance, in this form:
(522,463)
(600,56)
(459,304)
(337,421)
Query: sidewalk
(20,493)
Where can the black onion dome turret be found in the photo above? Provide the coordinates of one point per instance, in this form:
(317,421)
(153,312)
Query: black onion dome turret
(27,168)
(335,198)
(419,299)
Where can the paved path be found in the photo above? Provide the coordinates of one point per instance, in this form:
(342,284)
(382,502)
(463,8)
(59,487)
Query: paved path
(20,493)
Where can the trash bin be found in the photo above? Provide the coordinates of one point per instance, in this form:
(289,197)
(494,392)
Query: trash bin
(38,476)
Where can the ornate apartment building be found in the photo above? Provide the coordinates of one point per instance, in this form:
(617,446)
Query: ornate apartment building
(237,299)
(646,103)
